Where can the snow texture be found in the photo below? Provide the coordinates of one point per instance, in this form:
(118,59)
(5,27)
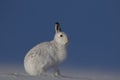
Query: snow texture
(18,73)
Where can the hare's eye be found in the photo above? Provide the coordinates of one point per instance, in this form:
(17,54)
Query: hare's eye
(61,35)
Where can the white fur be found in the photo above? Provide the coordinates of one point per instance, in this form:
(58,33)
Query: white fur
(47,55)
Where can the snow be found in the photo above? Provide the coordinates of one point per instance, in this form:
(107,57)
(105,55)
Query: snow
(8,72)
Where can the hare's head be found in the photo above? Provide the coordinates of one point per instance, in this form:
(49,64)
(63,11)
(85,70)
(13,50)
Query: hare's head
(60,37)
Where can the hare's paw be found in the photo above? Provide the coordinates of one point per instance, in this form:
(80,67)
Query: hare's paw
(56,74)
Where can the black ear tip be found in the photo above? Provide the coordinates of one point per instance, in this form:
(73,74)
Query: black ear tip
(57,23)
(57,26)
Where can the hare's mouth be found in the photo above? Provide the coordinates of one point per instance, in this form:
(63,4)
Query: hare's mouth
(67,43)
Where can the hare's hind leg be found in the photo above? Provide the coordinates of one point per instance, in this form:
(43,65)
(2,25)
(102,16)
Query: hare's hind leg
(41,72)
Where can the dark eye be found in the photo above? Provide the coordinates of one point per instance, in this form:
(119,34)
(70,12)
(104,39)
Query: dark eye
(61,35)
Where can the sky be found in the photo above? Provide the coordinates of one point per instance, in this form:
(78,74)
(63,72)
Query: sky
(92,27)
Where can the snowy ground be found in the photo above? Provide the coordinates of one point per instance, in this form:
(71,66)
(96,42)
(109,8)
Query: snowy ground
(18,73)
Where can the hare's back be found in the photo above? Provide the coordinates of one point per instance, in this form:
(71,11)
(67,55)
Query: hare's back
(41,50)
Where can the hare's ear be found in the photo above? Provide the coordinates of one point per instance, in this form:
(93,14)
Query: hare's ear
(57,27)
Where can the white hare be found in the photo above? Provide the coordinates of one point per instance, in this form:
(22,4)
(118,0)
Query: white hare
(47,55)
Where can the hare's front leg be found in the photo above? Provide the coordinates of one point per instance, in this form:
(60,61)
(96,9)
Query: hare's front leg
(56,71)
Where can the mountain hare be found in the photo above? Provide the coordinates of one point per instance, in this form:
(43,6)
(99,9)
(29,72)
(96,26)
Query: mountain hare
(47,55)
